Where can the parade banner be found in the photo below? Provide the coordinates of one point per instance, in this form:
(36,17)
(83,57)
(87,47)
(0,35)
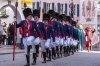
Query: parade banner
(28,2)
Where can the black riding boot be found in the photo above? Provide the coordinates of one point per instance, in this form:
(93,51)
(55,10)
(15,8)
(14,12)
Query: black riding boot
(37,50)
(34,61)
(61,51)
(49,59)
(28,60)
(72,49)
(53,54)
(57,51)
(47,52)
(28,57)
(44,57)
(77,48)
(68,50)
(65,52)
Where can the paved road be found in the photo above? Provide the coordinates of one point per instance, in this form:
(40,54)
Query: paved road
(78,59)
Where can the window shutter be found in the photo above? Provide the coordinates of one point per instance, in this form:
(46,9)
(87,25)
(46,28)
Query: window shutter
(33,6)
(52,6)
(37,5)
(78,10)
(66,8)
(44,6)
(59,8)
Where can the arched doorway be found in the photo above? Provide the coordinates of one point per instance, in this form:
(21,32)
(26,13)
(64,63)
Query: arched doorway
(14,9)
(19,17)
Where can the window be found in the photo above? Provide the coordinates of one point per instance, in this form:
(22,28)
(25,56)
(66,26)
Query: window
(74,9)
(33,5)
(61,8)
(48,6)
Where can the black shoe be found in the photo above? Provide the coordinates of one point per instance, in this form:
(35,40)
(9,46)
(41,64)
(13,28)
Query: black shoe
(54,58)
(44,62)
(28,60)
(34,63)
(49,60)
(27,65)
(72,53)
(37,54)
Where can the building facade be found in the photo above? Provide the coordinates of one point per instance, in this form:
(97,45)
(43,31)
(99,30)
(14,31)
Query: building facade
(85,11)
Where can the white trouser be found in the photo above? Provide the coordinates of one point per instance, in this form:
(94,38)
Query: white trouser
(75,42)
(57,41)
(65,43)
(45,44)
(36,41)
(27,41)
(71,41)
(52,44)
(68,41)
(61,41)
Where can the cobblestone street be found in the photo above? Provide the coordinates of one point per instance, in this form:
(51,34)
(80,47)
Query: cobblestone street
(78,59)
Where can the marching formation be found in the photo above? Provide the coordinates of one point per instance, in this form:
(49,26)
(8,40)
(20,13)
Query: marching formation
(57,34)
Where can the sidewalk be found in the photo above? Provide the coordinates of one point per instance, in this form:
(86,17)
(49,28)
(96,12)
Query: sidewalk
(8,49)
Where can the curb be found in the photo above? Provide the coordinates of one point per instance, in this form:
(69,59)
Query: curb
(10,53)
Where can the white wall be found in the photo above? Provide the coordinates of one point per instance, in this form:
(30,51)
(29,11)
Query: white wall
(9,12)
(83,19)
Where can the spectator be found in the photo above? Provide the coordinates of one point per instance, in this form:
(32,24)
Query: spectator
(4,32)
(87,39)
(21,42)
(79,37)
(90,37)
(1,34)
(11,34)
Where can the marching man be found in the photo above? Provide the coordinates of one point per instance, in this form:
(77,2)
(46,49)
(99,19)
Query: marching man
(45,44)
(28,27)
(40,25)
(56,28)
(56,18)
(62,32)
(68,34)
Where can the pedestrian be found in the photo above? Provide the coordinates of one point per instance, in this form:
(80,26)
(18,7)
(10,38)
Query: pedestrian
(80,37)
(90,37)
(87,39)
(11,34)
(4,32)
(1,34)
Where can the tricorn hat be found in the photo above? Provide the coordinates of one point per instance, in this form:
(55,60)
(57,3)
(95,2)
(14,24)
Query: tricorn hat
(51,12)
(36,12)
(27,12)
(46,17)
(56,15)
